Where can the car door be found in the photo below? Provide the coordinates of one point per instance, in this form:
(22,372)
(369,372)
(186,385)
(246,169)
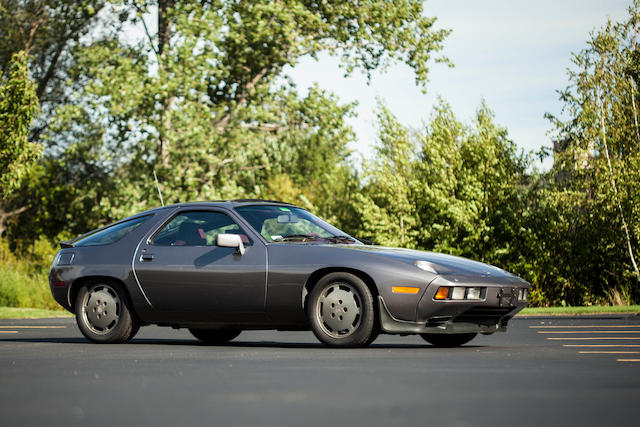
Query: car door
(180,269)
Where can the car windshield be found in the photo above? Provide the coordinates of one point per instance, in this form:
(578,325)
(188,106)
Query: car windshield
(278,224)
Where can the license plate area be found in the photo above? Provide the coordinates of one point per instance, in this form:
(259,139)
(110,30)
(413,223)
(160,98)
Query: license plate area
(507,297)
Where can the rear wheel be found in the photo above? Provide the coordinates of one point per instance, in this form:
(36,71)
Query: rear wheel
(103,313)
(448,340)
(215,336)
(341,311)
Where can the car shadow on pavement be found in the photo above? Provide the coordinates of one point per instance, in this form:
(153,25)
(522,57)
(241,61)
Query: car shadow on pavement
(46,340)
(275,344)
(234,344)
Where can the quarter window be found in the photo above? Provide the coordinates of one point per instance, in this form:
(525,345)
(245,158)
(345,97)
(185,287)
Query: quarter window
(198,228)
(112,233)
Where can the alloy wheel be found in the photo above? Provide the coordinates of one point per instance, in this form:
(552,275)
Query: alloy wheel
(101,309)
(339,310)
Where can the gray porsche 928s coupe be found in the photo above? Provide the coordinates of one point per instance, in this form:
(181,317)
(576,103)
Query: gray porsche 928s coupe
(218,268)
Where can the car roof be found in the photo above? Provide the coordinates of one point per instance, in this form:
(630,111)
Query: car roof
(211,203)
(220,203)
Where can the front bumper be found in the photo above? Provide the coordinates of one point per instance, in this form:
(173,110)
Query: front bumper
(487,315)
(391,325)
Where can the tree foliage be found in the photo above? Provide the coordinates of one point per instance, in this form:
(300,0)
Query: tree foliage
(18,106)
(199,96)
(597,166)
(48,31)
(449,187)
(196,92)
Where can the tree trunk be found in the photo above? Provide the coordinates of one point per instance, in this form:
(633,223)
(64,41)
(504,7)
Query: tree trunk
(635,110)
(5,215)
(164,37)
(165,127)
(633,85)
(164,24)
(615,191)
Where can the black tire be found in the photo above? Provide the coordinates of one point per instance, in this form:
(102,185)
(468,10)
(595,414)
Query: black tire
(448,340)
(329,313)
(134,330)
(374,335)
(103,312)
(215,336)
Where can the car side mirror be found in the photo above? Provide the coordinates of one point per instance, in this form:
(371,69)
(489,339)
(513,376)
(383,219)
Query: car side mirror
(230,241)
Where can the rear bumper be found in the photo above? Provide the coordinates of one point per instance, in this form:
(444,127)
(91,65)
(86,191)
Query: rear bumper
(59,287)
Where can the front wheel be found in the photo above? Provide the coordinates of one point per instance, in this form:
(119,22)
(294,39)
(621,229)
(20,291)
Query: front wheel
(214,336)
(103,314)
(341,311)
(448,340)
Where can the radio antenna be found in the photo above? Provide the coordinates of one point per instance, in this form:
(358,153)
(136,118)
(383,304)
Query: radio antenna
(158,187)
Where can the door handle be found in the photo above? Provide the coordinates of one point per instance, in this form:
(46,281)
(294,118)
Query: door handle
(146,257)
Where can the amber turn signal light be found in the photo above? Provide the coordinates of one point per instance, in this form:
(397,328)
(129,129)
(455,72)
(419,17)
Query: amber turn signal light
(443,293)
(405,290)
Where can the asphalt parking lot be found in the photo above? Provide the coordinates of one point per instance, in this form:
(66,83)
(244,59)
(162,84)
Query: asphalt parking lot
(543,371)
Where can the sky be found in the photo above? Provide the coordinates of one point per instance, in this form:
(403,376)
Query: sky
(513,54)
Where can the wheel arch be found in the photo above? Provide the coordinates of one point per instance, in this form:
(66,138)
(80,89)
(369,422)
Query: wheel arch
(315,277)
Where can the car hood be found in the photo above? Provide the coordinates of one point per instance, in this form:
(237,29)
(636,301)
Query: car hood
(443,264)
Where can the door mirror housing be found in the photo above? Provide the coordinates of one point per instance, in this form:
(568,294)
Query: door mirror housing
(230,241)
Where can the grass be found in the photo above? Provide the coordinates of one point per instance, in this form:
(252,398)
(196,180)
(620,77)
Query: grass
(569,311)
(24,278)
(38,313)
(24,289)
(30,313)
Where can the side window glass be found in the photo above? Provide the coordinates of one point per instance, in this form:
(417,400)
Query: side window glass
(197,228)
(112,233)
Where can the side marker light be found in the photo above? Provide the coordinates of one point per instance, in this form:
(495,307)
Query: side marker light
(405,290)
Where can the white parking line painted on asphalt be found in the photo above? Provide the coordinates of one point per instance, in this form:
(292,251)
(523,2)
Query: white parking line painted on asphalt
(609,352)
(600,345)
(582,326)
(8,332)
(32,327)
(628,360)
(589,332)
(595,338)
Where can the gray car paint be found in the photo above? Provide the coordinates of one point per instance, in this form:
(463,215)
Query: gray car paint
(267,286)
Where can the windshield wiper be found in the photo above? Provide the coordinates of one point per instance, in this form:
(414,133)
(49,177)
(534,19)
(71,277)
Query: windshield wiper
(341,239)
(305,237)
(299,236)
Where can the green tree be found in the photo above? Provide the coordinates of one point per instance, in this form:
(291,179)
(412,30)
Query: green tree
(48,31)
(386,205)
(597,164)
(203,100)
(450,188)
(471,181)
(18,106)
